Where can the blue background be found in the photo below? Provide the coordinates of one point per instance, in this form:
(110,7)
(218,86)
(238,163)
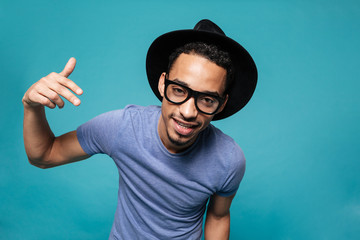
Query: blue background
(300,132)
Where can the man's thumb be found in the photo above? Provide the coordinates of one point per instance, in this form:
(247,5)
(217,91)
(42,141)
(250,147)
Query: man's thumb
(69,67)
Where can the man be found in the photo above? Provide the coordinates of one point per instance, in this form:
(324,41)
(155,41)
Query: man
(171,160)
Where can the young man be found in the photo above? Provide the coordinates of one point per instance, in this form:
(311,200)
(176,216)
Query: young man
(171,160)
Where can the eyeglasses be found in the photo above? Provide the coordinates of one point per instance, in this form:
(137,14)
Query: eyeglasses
(205,103)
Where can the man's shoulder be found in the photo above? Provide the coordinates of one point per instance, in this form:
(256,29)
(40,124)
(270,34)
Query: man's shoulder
(142,109)
(219,136)
(222,144)
(130,109)
(119,118)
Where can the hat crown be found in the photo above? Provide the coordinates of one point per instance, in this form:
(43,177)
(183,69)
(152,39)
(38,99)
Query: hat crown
(208,26)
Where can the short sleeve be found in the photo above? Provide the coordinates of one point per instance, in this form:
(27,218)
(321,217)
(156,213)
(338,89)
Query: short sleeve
(98,134)
(235,173)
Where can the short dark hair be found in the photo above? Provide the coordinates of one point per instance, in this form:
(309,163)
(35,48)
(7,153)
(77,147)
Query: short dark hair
(208,51)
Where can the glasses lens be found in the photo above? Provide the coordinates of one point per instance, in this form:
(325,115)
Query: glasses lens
(176,93)
(207,104)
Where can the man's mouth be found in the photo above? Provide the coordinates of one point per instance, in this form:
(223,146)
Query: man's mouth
(184,129)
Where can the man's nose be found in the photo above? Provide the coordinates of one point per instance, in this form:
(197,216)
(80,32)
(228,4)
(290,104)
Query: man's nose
(188,109)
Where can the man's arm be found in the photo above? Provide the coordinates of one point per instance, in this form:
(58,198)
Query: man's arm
(217,223)
(43,149)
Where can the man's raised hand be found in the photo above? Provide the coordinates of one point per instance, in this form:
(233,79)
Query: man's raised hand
(47,91)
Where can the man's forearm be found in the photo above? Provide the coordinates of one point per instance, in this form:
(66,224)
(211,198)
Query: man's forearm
(217,227)
(38,137)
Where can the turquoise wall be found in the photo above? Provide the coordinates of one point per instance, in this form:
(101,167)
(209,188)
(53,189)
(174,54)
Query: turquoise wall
(300,132)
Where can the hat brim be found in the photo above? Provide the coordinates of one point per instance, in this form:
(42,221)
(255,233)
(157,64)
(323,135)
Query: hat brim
(244,68)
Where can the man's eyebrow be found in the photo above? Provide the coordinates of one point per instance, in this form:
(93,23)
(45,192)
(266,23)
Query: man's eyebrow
(187,85)
(212,93)
(180,82)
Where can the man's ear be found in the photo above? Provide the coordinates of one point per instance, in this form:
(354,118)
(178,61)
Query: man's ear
(223,105)
(161,84)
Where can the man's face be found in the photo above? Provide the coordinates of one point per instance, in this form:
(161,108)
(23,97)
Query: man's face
(179,125)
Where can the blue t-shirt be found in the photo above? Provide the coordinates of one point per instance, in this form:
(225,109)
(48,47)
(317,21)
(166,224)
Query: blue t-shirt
(161,195)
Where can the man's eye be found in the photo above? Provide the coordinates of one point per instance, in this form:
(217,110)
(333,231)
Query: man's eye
(178,91)
(207,100)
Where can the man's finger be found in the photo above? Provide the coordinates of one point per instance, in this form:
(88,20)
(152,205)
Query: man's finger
(69,67)
(64,92)
(44,101)
(70,84)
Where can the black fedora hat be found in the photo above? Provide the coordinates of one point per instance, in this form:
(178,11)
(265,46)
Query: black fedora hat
(244,68)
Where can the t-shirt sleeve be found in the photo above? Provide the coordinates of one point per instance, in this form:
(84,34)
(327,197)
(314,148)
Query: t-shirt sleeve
(235,173)
(98,134)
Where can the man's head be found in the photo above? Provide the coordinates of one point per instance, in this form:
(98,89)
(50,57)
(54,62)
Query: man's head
(208,51)
(243,73)
(191,69)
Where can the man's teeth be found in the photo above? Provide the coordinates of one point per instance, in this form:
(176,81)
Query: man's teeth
(183,125)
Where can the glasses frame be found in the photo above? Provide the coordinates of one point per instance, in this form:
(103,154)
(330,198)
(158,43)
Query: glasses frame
(195,94)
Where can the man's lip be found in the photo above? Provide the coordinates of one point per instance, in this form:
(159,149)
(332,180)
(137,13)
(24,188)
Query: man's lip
(187,124)
(183,128)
